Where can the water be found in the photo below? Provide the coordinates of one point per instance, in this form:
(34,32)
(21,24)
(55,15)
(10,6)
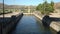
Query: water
(31,25)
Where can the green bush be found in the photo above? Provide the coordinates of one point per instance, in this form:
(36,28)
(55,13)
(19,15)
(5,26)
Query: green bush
(46,8)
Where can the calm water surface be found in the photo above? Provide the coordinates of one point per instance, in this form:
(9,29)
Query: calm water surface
(31,25)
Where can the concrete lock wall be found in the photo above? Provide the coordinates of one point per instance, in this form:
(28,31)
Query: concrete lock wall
(11,25)
(52,22)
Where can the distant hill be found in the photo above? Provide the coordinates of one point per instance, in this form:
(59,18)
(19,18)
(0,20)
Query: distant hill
(15,6)
(1,5)
(56,6)
(11,6)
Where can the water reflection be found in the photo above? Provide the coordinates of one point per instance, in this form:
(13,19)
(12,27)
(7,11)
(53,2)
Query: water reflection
(31,25)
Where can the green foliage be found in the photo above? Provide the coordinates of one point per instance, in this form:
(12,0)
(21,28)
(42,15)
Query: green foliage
(46,8)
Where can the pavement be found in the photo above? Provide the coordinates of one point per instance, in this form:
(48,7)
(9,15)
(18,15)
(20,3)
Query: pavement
(10,14)
(57,15)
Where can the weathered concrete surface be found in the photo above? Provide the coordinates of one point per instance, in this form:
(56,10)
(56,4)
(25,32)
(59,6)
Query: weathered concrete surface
(27,13)
(10,20)
(57,15)
(35,15)
(52,22)
(38,16)
(55,25)
(10,14)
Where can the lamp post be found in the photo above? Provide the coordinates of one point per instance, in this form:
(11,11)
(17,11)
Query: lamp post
(3,9)
(3,19)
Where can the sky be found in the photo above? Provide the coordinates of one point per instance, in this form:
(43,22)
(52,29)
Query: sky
(25,2)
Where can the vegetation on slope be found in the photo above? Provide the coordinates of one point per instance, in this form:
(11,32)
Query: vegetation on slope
(46,8)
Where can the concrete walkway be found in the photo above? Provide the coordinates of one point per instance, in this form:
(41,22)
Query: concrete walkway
(10,14)
(57,15)
(55,26)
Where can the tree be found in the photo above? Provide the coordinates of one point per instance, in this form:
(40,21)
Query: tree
(52,6)
(46,8)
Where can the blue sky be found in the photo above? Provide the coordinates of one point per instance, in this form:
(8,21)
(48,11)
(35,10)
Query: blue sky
(25,2)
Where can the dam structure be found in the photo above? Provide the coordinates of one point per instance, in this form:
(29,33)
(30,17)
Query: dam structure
(29,23)
(51,21)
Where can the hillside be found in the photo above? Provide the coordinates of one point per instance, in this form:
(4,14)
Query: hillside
(56,6)
(15,6)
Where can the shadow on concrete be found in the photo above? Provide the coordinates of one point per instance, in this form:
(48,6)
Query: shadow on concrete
(47,20)
(9,23)
(55,19)
(58,32)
